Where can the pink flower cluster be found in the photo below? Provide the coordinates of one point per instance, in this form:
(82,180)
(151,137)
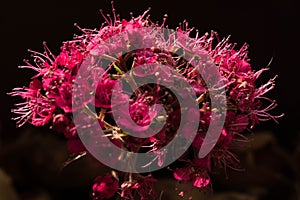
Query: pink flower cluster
(48,101)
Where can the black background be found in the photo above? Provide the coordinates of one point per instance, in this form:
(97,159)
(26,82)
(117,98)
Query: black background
(269,27)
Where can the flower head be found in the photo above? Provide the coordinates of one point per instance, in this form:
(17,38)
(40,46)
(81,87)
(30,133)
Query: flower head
(142,189)
(105,187)
(48,99)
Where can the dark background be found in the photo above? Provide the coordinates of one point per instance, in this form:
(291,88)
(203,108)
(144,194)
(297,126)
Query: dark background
(269,27)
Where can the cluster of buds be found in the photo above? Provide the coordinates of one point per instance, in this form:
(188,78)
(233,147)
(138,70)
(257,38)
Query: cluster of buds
(49,100)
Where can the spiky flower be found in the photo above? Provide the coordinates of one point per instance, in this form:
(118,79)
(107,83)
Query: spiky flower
(48,99)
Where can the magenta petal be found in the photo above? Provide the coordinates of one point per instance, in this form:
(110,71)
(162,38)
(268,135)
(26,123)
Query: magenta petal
(75,146)
(182,174)
(201,182)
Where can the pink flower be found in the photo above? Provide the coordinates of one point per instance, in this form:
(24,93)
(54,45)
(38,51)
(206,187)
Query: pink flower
(52,81)
(142,189)
(182,174)
(104,92)
(62,124)
(105,187)
(201,181)
(37,109)
(64,100)
(148,57)
(140,113)
(69,57)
